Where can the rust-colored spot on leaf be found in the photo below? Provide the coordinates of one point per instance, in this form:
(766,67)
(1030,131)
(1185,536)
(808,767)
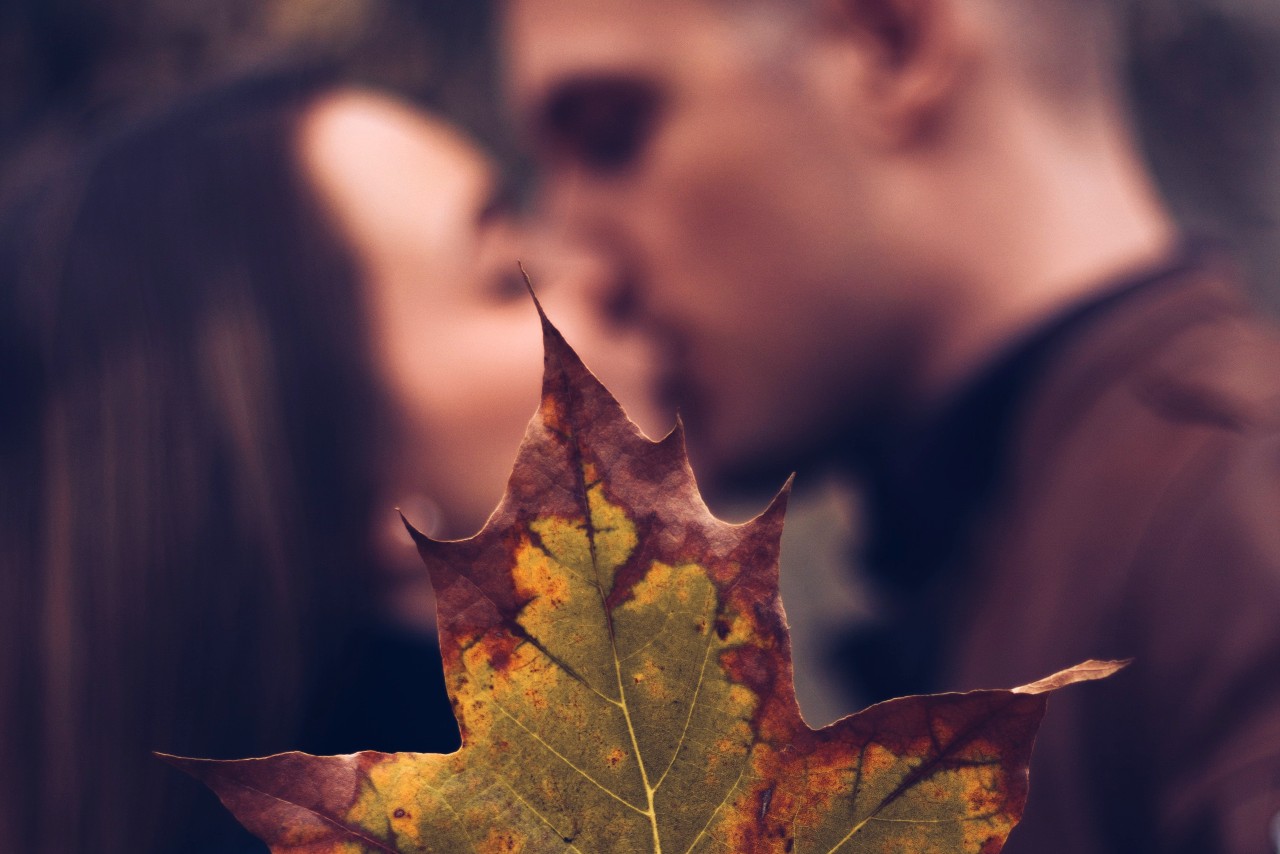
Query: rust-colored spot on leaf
(622,674)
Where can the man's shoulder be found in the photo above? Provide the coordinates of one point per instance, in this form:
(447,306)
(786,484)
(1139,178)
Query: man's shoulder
(1160,422)
(1189,363)
(1223,372)
(1140,522)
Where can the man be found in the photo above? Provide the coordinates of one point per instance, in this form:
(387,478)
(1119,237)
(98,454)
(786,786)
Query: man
(915,239)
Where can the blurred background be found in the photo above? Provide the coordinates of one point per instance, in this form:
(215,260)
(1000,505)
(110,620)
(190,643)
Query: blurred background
(1205,80)
(71,67)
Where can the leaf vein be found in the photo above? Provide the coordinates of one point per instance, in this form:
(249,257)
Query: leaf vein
(462,824)
(716,811)
(651,641)
(693,704)
(568,761)
(540,816)
(345,828)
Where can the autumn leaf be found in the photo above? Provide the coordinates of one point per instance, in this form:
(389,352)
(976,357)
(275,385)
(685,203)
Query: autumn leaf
(619,664)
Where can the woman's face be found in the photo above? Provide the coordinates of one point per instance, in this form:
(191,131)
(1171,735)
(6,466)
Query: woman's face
(456,337)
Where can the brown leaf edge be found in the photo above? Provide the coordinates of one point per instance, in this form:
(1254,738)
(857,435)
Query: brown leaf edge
(321,788)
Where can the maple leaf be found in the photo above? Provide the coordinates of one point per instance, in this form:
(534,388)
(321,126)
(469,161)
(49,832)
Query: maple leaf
(620,668)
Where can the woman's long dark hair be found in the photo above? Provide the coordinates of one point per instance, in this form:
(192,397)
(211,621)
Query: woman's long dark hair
(186,422)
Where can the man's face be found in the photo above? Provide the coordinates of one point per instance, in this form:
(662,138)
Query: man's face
(698,145)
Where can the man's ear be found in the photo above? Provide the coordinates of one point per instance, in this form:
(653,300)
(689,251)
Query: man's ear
(906,59)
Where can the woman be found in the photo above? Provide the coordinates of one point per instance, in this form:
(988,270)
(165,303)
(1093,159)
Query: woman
(234,337)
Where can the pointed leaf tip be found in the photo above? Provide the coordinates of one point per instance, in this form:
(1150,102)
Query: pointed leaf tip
(778,506)
(421,540)
(675,437)
(533,295)
(170,759)
(200,769)
(1087,671)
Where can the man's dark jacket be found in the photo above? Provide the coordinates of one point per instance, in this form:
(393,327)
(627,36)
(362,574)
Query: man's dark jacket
(1139,517)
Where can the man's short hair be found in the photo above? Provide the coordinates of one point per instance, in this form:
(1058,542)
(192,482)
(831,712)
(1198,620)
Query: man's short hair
(1073,47)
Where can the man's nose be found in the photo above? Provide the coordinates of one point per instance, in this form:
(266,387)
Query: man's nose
(585,215)
(577,205)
